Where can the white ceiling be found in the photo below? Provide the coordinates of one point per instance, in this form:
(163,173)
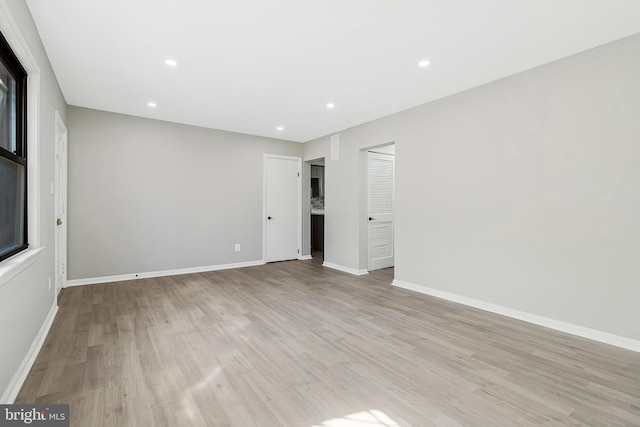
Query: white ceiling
(252,65)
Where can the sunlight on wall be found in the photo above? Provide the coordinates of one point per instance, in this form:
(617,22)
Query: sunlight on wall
(372,418)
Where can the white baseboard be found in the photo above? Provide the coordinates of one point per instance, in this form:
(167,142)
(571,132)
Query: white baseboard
(345,269)
(10,394)
(304,257)
(558,325)
(162,273)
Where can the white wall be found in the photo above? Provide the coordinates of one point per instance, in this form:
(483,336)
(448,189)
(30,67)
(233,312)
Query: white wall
(147,195)
(523,193)
(25,300)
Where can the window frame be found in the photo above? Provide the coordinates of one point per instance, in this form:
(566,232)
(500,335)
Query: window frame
(19,74)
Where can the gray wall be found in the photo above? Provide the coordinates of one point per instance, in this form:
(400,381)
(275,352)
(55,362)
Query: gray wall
(147,195)
(524,192)
(26,299)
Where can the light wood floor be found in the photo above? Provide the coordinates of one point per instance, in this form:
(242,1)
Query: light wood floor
(296,344)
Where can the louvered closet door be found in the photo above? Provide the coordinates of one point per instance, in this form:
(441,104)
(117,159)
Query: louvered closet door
(380,177)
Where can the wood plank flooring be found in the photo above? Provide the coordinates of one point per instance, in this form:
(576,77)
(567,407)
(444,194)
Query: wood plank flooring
(296,344)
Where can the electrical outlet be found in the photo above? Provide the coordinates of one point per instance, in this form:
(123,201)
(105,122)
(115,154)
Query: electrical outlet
(237,247)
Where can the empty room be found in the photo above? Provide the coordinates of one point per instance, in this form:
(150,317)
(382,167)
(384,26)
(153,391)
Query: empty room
(320,213)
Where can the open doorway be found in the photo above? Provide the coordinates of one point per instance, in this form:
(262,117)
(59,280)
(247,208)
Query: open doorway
(316,209)
(379,237)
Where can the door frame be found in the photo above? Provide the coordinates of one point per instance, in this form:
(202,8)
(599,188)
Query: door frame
(264,202)
(60,198)
(306,208)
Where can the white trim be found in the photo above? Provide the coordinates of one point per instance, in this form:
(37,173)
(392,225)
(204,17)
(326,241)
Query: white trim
(12,34)
(60,196)
(558,325)
(59,121)
(12,390)
(12,266)
(304,257)
(162,273)
(33,159)
(264,200)
(264,207)
(345,269)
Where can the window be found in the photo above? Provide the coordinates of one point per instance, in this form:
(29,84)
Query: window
(13,153)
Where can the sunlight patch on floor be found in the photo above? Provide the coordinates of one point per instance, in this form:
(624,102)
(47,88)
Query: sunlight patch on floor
(372,418)
(190,407)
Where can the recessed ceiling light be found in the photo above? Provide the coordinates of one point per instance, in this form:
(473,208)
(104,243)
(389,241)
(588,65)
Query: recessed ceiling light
(152,104)
(331,105)
(171,62)
(424,63)
(280,128)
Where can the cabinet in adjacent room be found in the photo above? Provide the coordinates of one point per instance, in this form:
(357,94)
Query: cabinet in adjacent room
(317,232)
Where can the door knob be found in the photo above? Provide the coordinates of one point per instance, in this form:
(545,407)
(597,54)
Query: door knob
(59,221)
(371,219)
(269,217)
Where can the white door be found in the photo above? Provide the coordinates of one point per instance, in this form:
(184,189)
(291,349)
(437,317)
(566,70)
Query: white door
(380,183)
(60,192)
(282,208)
